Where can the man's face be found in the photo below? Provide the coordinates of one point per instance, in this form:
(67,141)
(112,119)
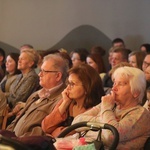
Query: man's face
(147,73)
(49,75)
(118,44)
(116,58)
(146,62)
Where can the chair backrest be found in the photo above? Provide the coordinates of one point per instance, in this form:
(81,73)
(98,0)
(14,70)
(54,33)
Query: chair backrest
(4,117)
(147,144)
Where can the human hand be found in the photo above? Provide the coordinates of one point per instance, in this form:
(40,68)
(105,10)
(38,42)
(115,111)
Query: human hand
(108,101)
(65,95)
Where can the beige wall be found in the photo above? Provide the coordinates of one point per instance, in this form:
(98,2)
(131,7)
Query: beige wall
(43,23)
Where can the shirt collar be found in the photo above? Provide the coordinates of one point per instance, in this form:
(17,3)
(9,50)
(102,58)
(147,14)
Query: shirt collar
(44,93)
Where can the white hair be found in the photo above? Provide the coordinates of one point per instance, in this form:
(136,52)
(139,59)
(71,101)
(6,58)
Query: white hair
(136,78)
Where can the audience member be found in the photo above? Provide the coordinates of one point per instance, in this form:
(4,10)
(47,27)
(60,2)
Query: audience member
(2,64)
(147,103)
(146,62)
(96,61)
(121,64)
(11,72)
(128,117)
(118,55)
(145,47)
(84,90)
(110,52)
(136,59)
(118,42)
(97,50)
(52,77)
(26,47)
(78,56)
(26,82)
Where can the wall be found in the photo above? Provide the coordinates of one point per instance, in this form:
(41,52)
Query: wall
(44,23)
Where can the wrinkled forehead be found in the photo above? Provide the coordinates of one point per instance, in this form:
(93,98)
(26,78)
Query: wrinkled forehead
(47,64)
(120,77)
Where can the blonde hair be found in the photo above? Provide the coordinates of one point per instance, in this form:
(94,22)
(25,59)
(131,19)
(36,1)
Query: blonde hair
(34,56)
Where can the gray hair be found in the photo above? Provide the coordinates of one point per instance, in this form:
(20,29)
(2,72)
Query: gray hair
(60,63)
(136,78)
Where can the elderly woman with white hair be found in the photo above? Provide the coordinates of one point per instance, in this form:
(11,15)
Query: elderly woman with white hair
(128,116)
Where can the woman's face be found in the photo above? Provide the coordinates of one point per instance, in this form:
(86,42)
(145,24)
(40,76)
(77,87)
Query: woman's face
(122,90)
(10,65)
(92,63)
(24,62)
(132,61)
(76,61)
(75,88)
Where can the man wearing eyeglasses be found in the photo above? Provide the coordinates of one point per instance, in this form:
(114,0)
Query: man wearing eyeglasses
(52,79)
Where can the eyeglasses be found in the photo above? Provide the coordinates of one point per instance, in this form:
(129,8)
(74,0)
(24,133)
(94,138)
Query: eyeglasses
(146,64)
(71,84)
(73,59)
(47,71)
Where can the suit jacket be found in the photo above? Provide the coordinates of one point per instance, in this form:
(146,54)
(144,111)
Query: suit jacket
(22,88)
(31,124)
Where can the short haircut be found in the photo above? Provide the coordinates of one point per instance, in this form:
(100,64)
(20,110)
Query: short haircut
(125,52)
(60,63)
(136,79)
(117,40)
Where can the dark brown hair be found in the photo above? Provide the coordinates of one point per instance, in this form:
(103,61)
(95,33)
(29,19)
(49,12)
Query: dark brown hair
(15,57)
(97,58)
(91,82)
(139,57)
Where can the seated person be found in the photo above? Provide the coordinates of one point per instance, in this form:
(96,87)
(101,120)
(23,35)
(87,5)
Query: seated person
(136,59)
(84,90)
(122,109)
(147,103)
(26,82)
(96,61)
(11,72)
(78,56)
(2,64)
(52,79)
(118,55)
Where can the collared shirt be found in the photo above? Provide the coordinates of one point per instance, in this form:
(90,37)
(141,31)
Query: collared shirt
(42,96)
(44,93)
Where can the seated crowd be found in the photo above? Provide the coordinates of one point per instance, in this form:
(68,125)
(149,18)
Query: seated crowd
(45,91)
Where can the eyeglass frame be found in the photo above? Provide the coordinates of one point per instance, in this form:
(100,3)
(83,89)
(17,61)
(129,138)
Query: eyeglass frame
(146,64)
(48,71)
(71,84)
